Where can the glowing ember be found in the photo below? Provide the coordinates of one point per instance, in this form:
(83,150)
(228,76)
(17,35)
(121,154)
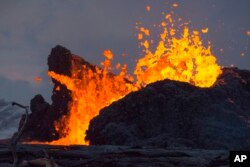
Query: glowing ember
(181,58)
(37,79)
(205,30)
(148,8)
(175,5)
(248,33)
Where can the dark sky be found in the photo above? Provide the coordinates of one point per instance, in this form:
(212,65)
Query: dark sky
(29,29)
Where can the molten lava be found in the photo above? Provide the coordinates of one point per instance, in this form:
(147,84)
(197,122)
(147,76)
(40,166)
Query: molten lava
(181,58)
(92,89)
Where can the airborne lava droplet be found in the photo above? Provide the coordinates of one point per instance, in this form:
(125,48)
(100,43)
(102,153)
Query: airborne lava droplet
(175,5)
(148,8)
(204,30)
(37,79)
(248,33)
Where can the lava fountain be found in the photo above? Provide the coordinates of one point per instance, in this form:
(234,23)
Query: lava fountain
(182,58)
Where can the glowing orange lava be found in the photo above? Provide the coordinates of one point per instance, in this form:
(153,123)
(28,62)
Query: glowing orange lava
(148,8)
(182,58)
(92,89)
(37,79)
(175,5)
(248,33)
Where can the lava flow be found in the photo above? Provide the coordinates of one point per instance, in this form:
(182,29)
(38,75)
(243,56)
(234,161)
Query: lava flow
(182,58)
(95,89)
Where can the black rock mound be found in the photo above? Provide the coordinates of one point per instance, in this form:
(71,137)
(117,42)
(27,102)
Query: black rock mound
(41,121)
(176,114)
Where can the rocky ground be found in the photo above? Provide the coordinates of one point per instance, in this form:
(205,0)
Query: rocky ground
(112,156)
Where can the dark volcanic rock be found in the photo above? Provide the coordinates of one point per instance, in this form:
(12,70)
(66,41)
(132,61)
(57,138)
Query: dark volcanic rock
(40,125)
(38,104)
(113,156)
(175,114)
(60,61)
